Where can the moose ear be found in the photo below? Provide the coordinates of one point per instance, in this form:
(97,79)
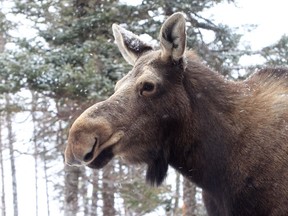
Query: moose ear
(173,37)
(129,44)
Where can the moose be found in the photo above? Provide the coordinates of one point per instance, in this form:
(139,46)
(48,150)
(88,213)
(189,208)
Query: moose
(228,137)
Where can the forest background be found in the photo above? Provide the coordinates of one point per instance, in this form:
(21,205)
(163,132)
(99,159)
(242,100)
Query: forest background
(58,58)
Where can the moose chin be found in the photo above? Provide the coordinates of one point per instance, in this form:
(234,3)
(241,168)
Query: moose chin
(228,137)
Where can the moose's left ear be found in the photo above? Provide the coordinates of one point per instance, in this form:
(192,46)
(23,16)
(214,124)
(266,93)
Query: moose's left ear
(173,37)
(129,44)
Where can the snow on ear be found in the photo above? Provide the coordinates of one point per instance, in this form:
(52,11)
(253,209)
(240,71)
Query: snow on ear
(129,44)
(173,37)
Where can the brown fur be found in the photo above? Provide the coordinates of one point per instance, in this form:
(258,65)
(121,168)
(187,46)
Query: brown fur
(230,138)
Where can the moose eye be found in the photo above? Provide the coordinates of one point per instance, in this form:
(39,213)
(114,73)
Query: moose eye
(147,89)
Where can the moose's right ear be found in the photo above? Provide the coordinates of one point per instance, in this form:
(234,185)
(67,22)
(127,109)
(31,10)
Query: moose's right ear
(129,44)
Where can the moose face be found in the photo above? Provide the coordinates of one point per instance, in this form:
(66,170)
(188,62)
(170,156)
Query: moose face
(141,120)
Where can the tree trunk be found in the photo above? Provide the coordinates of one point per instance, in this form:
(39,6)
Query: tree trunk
(46,181)
(83,191)
(189,198)
(2,42)
(11,154)
(108,191)
(71,190)
(95,183)
(177,194)
(36,152)
(3,204)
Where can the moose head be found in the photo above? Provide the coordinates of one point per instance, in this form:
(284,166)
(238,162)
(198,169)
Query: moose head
(143,120)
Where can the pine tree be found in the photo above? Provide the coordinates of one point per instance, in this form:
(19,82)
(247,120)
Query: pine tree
(3,202)
(10,140)
(36,150)
(277,54)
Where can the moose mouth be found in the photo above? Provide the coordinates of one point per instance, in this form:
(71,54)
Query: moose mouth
(102,159)
(101,154)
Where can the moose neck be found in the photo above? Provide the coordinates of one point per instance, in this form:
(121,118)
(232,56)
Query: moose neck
(202,155)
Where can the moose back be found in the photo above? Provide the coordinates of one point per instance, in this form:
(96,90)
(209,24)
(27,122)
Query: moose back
(230,138)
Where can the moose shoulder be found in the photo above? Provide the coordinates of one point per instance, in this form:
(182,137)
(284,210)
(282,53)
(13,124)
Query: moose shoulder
(230,138)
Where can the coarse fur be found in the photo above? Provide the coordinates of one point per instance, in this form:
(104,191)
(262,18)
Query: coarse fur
(230,138)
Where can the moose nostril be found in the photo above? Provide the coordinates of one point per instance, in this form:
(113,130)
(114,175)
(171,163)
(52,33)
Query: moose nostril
(89,156)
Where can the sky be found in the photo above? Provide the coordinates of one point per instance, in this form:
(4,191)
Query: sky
(271,19)
(270,15)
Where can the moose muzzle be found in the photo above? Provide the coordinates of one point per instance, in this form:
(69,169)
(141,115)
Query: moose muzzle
(88,137)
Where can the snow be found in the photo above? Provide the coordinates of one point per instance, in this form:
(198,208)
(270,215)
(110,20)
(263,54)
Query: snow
(131,39)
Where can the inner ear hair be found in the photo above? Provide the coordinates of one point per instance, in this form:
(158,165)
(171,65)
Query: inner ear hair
(173,37)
